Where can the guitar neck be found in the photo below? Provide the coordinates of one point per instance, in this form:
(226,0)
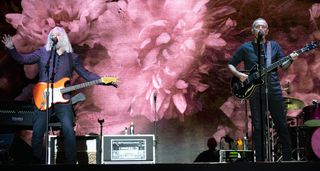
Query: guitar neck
(281,61)
(79,86)
(276,64)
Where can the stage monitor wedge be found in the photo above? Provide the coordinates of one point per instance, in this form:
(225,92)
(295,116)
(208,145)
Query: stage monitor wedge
(128,149)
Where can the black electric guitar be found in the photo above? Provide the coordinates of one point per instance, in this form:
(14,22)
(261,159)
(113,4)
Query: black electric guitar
(245,89)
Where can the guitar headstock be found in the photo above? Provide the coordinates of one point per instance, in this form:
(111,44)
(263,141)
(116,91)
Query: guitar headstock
(310,46)
(110,81)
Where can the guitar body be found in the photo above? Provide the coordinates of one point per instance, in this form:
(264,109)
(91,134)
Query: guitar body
(40,90)
(245,89)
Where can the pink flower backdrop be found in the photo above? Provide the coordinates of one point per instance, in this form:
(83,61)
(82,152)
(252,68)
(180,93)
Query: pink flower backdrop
(153,47)
(170,56)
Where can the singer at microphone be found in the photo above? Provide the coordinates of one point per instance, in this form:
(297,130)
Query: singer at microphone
(155,96)
(54,40)
(55,67)
(263,100)
(260,36)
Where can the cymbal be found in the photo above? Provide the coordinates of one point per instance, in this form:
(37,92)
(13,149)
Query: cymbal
(293,103)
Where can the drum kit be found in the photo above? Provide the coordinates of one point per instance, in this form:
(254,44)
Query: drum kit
(306,132)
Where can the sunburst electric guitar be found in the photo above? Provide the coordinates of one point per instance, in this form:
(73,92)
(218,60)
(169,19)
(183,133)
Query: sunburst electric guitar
(245,89)
(40,90)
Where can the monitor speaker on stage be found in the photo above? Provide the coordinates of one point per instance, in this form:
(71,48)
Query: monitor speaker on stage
(230,156)
(87,149)
(128,149)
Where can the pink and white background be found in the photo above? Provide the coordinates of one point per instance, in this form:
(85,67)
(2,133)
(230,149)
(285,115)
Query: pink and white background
(176,50)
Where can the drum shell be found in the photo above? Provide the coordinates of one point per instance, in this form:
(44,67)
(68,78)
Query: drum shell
(305,139)
(315,143)
(311,115)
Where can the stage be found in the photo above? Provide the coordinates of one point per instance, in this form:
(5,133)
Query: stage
(246,166)
(170,57)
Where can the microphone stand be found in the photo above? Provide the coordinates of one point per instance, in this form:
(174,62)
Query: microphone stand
(262,113)
(155,125)
(264,116)
(246,134)
(101,121)
(50,79)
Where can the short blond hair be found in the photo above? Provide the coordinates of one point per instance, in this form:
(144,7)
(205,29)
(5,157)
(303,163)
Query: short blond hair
(258,20)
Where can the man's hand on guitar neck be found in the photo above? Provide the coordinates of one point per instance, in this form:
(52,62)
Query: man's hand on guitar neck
(287,63)
(294,55)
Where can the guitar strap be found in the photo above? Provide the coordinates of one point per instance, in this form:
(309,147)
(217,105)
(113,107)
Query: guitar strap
(268,53)
(70,60)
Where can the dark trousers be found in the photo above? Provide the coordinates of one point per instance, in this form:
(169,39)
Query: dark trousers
(276,109)
(64,113)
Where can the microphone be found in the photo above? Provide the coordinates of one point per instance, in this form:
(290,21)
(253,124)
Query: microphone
(54,40)
(155,96)
(260,34)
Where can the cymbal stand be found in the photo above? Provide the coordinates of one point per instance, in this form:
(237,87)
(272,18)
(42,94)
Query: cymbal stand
(269,140)
(101,121)
(273,141)
(298,148)
(246,133)
(298,141)
(156,141)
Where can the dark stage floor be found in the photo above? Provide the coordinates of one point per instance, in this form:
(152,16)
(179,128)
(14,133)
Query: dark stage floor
(243,166)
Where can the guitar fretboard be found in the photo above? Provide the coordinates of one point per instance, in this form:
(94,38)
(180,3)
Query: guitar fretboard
(79,86)
(281,61)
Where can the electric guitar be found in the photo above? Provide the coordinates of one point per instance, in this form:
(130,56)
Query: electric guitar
(245,89)
(40,90)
